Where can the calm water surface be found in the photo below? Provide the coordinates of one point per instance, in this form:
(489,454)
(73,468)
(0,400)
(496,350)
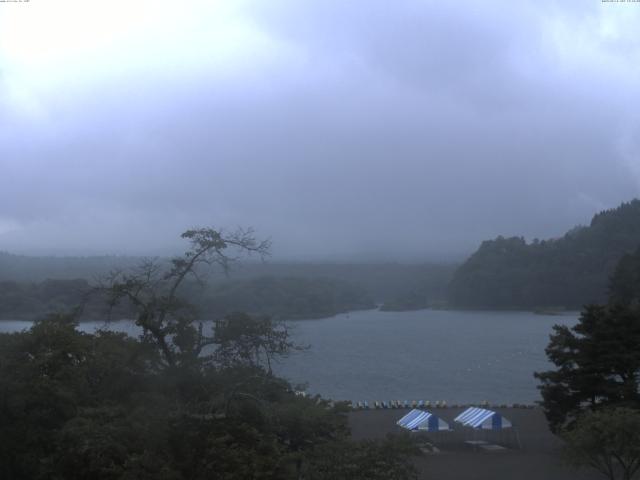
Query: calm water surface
(429,354)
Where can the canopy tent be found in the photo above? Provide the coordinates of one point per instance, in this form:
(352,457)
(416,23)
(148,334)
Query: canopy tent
(423,421)
(481,418)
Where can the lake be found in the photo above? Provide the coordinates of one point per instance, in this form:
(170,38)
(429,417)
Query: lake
(457,356)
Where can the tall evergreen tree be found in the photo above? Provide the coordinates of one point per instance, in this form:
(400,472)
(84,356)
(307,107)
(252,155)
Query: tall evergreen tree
(597,360)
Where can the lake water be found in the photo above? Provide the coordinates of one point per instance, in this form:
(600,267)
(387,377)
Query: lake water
(429,354)
(457,356)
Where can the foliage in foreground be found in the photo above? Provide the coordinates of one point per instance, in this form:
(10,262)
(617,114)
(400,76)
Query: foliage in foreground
(105,406)
(592,398)
(176,403)
(608,441)
(597,360)
(598,364)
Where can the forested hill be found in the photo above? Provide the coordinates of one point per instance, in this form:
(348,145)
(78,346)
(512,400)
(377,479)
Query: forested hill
(281,298)
(383,281)
(567,272)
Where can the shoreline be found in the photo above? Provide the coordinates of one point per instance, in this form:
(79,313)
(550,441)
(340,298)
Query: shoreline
(377,308)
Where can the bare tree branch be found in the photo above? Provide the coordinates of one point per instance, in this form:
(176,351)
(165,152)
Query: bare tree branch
(152,289)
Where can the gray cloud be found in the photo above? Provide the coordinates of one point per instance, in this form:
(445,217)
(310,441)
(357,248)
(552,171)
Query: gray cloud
(340,129)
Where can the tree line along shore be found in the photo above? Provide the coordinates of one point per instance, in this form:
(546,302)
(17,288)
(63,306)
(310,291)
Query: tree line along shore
(545,276)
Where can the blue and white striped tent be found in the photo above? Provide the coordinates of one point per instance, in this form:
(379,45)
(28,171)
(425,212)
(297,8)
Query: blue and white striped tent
(422,420)
(481,418)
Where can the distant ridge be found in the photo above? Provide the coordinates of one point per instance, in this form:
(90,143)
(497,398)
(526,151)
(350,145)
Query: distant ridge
(568,272)
(383,282)
(22,268)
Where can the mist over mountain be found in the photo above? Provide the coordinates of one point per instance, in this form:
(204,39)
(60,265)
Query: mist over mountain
(566,272)
(33,286)
(341,130)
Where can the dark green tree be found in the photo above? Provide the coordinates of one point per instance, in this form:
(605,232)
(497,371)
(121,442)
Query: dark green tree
(253,341)
(78,405)
(64,400)
(608,441)
(389,459)
(624,287)
(174,404)
(598,364)
(598,360)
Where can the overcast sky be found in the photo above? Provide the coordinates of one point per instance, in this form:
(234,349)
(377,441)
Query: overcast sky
(368,129)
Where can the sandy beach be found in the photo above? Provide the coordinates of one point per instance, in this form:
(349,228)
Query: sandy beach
(533,451)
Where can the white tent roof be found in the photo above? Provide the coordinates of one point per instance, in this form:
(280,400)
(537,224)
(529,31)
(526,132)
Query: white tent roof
(475,417)
(422,420)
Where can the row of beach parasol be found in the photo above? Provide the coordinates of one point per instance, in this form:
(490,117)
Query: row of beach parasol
(423,404)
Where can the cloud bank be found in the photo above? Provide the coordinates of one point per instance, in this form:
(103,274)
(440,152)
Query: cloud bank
(369,129)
